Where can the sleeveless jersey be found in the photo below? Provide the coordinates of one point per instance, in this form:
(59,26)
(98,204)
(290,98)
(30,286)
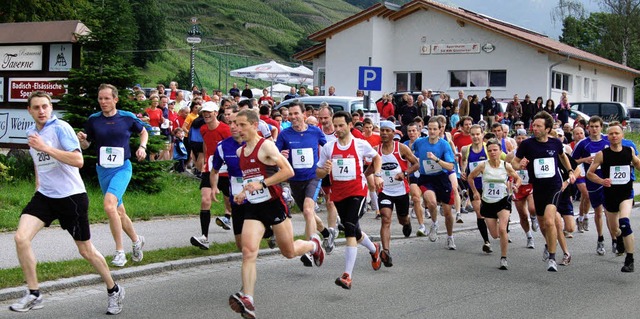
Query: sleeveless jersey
(226,157)
(253,170)
(617,167)
(494,182)
(473,160)
(346,173)
(392,164)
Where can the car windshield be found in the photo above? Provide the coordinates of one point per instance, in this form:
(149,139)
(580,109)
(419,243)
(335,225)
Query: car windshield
(634,113)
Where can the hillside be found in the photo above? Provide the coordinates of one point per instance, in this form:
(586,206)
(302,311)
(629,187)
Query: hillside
(236,34)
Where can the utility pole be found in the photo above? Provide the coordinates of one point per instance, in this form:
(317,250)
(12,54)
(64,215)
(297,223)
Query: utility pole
(193,39)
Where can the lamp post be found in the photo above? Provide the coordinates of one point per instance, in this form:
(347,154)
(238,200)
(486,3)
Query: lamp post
(193,39)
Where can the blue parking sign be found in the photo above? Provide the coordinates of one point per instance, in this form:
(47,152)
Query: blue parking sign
(370,78)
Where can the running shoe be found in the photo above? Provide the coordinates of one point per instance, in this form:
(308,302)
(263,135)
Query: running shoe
(306,260)
(329,242)
(375,257)
(200,241)
(545,253)
(136,254)
(242,305)
(223,222)
(567,234)
(614,248)
(534,224)
(422,231)
(27,303)
(600,248)
(585,224)
(451,245)
(413,213)
(427,215)
(271,242)
(620,246)
(115,304)
(628,267)
(318,256)
(530,243)
(344,281)
(385,256)
(551,265)
(503,264)
(469,209)
(459,219)
(566,260)
(406,230)
(433,232)
(487,248)
(378,216)
(119,259)
(579,225)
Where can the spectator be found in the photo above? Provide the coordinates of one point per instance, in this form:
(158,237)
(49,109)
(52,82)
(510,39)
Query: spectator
(234,90)
(247,91)
(528,110)
(563,109)
(180,153)
(292,94)
(550,107)
(489,107)
(385,106)
(514,110)
(455,117)
(475,109)
(265,98)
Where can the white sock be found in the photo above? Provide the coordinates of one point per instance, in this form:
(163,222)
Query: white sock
(449,237)
(315,247)
(350,254)
(529,234)
(366,242)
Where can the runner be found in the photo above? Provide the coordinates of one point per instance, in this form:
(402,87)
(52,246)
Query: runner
(395,158)
(60,195)
(342,160)
(300,144)
(523,198)
(325,116)
(496,197)
(413,131)
(212,133)
(436,160)
(472,156)
(544,155)
(111,130)
(259,159)
(582,221)
(454,174)
(617,162)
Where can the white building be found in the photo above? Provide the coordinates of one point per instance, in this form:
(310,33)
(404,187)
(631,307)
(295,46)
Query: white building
(426,44)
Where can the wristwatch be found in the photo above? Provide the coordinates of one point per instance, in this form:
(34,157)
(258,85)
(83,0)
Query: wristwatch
(437,160)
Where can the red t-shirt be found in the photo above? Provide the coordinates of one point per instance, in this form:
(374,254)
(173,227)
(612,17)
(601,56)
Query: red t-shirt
(271,122)
(460,139)
(211,139)
(155,116)
(374,140)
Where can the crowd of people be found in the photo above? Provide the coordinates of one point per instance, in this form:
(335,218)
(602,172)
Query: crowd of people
(423,159)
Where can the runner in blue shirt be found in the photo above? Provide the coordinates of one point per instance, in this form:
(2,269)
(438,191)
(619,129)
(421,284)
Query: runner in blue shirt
(110,130)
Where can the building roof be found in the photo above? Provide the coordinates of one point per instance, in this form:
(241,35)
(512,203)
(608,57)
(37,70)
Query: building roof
(42,32)
(463,16)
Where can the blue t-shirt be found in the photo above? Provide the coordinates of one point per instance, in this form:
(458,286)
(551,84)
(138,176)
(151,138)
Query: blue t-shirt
(303,150)
(112,131)
(585,148)
(226,154)
(441,149)
(544,156)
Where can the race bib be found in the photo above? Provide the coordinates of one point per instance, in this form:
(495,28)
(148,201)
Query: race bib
(388,177)
(473,165)
(544,167)
(431,167)
(44,162)
(237,184)
(302,157)
(620,175)
(257,196)
(524,176)
(494,190)
(343,169)
(111,157)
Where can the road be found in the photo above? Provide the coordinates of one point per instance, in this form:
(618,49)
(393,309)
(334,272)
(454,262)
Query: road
(426,281)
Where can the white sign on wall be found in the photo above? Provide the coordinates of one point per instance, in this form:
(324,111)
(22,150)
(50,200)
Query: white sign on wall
(21,58)
(14,123)
(463,48)
(1,89)
(60,57)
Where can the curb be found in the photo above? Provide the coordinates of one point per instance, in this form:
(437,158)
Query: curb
(156,268)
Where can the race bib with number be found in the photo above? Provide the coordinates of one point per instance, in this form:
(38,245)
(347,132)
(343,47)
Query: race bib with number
(302,157)
(44,162)
(111,157)
(431,167)
(544,167)
(388,177)
(257,196)
(620,175)
(494,191)
(237,184)
(524,176)
(343,169)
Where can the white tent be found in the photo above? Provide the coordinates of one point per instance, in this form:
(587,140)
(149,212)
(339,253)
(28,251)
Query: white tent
(271,71)
(279,88)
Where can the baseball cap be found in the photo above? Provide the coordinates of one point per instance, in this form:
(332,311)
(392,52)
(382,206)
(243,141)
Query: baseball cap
(209,107)
(521,132)
(518,123)
(387,124)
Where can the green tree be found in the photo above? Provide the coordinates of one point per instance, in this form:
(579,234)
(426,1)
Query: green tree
(40,10)
(151,23)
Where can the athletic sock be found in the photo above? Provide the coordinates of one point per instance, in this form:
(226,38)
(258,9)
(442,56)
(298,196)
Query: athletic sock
(529,234)
(114,289)
(350,254)
(552,256)
(325,233)
(366,242)
(227,215)
(205,220)
(600,238)
(482,227)
(35,292)
(315,247)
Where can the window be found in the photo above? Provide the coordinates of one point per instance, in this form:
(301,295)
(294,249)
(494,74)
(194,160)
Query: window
(586,88)
(618,93)
(609,112)
(408,81)
(561,81)
(483,79)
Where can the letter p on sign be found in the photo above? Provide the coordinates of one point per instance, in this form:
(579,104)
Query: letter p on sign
(370,78)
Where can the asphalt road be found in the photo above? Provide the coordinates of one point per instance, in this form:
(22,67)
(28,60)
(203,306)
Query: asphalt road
(426,281)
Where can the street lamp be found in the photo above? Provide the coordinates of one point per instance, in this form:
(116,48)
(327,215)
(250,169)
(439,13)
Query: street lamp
(193,38)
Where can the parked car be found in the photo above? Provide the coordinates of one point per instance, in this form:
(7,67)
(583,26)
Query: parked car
(608,111)
(573,115)
(634,119)
(338,103)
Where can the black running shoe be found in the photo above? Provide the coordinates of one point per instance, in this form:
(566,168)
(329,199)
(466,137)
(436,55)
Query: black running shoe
(385,256)
(406,230)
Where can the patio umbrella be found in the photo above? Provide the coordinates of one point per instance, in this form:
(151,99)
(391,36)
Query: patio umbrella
(270,71)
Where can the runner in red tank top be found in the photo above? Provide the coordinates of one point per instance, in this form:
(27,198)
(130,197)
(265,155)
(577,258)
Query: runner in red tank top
(263,169)
(342,159)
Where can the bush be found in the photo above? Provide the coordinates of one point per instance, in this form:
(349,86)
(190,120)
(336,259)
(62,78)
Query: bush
(17,164)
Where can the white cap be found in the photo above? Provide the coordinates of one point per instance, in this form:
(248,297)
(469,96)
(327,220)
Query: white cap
(209,107)
(387,124)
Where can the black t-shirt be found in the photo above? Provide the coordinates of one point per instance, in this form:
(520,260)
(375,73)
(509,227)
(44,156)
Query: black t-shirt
(543,158)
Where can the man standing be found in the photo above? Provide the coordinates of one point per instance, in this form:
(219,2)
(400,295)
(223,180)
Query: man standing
(489,107)
(234,90)
(463,105)
(342,160)
(528,111)
(247,91)
(408,112)
(292,94)
(514,110)
(303,92)
(263,169)
(541,157)
(61,195)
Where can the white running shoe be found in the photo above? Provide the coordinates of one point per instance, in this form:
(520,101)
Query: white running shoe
(600,248)
(545,253)
(329,242)
(503,264)
(119,259)
(534,224)
(433,232)
(223,222)
(459,219)
(451,245)
(115,304)
(413,213)
(422,231)
(551,265)
(530,243)
(27,303)
(200,241)
(137,254)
